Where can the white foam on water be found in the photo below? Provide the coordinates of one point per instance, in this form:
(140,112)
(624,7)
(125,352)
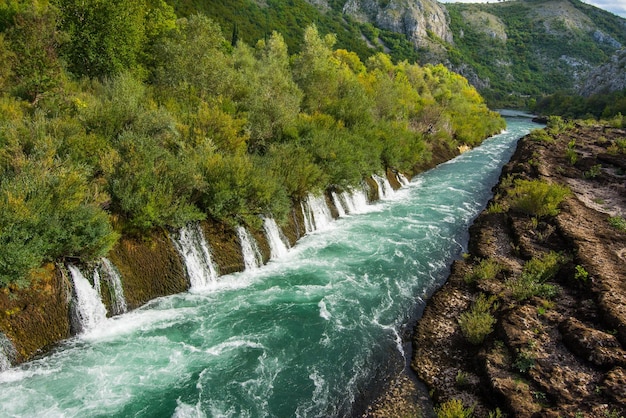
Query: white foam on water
(323,310)
(184,410)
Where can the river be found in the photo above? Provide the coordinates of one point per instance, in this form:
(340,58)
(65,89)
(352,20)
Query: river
(300,337)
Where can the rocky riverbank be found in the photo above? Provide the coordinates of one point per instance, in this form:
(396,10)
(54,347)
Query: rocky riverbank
(541,294)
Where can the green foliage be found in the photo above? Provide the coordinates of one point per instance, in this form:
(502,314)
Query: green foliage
(34,64)
(535,274)
(487,269)
(528,64)
(478,322)
(194,58)
(107,37)
(540,135)
(525,359)
(139,120)
(151,187)
(581,274)
(537,198)
(570,153)
(593,172)
(618,223)
(48,208)
(454,408)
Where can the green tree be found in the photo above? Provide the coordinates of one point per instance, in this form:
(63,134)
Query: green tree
(194,59)
(34,63)
(269,97)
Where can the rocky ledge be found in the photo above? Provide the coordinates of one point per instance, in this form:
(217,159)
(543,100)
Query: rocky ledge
(532,322)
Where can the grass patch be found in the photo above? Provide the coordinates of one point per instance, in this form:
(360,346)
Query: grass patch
(537,198)
(535,274)
(618,223)
(487,269)
(454,408)
(478,322)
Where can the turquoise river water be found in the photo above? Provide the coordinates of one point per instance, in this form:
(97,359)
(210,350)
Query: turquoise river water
(303,336)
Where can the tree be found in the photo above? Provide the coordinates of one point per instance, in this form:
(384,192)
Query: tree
(107,37)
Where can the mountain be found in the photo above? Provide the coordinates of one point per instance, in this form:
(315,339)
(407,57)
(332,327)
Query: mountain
(520,50)
(514,52)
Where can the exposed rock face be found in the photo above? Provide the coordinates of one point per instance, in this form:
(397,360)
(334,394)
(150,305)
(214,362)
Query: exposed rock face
(607,78)
(414,18)
(547,355)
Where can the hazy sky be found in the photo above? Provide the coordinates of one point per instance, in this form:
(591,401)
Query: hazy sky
(617,7)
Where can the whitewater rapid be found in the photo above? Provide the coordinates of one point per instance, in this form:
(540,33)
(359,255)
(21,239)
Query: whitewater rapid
(301,336)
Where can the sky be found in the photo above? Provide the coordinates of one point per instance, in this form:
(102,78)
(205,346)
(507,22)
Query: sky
(617,7)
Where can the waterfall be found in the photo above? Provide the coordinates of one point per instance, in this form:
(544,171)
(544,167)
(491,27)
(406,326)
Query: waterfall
(88,307)
(339,205)
(402,179)
(114,280)
(278,243)
(193,247)
(8,353)
(96,282)
(252,258)
(355,201)
(384,188)
(316,213)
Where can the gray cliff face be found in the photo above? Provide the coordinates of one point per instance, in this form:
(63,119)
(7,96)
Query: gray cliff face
(607,78)
(413,18)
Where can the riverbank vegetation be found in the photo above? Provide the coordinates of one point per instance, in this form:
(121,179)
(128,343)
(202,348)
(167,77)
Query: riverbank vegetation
(118,118)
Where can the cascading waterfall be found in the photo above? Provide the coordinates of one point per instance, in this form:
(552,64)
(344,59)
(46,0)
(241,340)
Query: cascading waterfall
(402,179)
(8,353)
(193,247)
(355,201)
(279,246)
(316,213)
(114,280)
(96,282)
(88,307)
(252,258)
(385,190)
(338,204)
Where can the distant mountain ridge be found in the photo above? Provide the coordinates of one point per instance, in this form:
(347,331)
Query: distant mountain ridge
(513,51)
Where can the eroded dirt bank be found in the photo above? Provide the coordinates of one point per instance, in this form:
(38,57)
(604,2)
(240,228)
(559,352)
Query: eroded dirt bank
(557,345)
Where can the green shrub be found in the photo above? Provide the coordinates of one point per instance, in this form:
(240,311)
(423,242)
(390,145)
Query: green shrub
(537,198)
(535,273)
(487,269)
(571,155)
(581,274)
(454,408)
(525,360)
(478,322)
(618,223)
(593,172)
(540,135)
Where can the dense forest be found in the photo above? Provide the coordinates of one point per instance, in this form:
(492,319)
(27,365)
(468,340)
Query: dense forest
(119,117)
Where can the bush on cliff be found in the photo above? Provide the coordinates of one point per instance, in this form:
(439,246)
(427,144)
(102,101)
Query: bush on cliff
(173,124)
(478,322)
(537,198)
